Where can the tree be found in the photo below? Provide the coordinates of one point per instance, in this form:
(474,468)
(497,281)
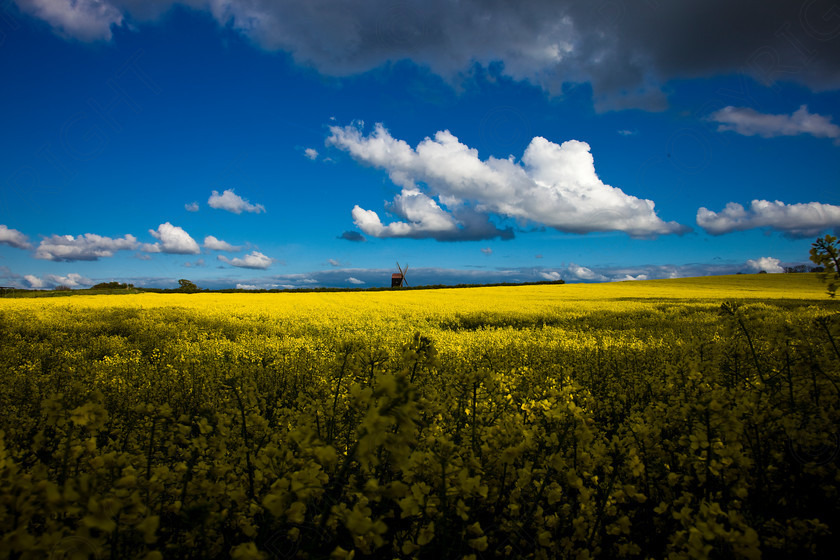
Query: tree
(186,286)
(825,253)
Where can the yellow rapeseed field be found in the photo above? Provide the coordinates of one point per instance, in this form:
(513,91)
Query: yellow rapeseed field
(686,418)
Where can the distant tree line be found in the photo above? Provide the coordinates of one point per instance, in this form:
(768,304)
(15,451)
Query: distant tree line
(803,268)
(112,286)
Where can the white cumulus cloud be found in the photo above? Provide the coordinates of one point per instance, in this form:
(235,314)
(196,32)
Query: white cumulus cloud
(767,264)
(355,280)
(253,260)
(629,277)
(311,153)
(172,239)
(13,238)
(72,280)
(87,247)
(34,281)
(797,220)
(583,273)
(191,207)
(750,122)
(553,185)
(551,276)
(213,244)
(232,202)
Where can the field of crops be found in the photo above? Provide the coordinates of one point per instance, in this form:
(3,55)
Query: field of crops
(686,418)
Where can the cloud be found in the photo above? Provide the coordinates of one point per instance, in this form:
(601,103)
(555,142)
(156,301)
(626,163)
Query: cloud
(353,236)
(232,202)
(34,281)
(72,280)
(253,260)
(172,239)
(213,244)
(626,51)
(583,273)
(749,122)
(629,278)
(9,278)
(767,264)
(355,280)
(334,262)
(628,132)
(87,247)
(191,207)
(311,153)
(551,276)
(246,287)
(87,20)
(795,220)
(487,251)
(554,185)
(13,238)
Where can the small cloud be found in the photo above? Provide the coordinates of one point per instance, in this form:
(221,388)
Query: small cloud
(87,20)
(143,257)
(552,276)
(750,122)
(232,202)
(13,238)
(628,132)
(334,262)
(583,273)
(191,207)
(254,260)
(767,264)
(34,281)
(795,220)
(199,263)
(246,287)
(213,244)
(72,280)
(629,277)
(353,236)
(355,281)
(487,251)
(311,153)
(87,247)
(172,239)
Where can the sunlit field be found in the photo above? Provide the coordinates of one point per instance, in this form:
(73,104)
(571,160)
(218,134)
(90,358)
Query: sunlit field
(684,418)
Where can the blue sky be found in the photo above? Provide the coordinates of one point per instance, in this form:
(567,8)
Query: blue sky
(288,144)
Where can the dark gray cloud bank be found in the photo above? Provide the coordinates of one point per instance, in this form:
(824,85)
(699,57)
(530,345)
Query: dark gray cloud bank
(626,49)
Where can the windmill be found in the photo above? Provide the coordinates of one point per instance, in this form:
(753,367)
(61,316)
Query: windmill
(398,279)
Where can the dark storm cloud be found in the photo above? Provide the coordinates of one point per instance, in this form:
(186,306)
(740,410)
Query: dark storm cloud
(354,236)
(625,48)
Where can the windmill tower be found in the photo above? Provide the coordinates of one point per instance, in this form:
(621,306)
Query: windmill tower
(398,279)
